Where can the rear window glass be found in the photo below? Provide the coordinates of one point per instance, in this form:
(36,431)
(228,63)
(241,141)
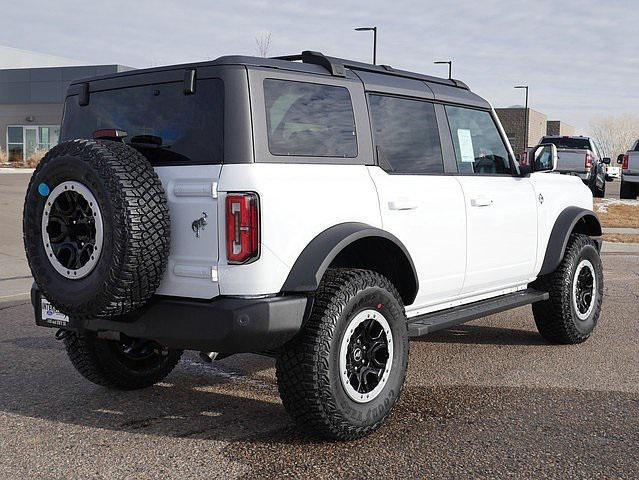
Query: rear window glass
(167,126)
(568,143)
(310,120)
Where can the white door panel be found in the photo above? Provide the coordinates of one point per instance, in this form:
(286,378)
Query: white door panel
(501,231)
(427,213)
(192,195)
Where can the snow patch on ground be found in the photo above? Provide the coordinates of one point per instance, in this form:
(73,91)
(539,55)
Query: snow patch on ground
(601,206)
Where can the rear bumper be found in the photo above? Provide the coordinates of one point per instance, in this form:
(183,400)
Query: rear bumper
(226,324)
(630,177)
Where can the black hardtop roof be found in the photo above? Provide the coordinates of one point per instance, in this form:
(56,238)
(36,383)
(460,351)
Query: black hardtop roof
(311,62)
(307,62)
(567,136)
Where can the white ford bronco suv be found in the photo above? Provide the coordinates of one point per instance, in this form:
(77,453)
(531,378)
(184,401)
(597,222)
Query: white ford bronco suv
(315,209)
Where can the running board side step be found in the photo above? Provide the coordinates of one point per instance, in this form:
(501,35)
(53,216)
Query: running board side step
(431,322)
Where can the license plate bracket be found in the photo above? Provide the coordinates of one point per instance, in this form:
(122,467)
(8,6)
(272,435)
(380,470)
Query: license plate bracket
(49,316)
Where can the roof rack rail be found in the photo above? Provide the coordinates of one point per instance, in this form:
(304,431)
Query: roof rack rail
(337,67)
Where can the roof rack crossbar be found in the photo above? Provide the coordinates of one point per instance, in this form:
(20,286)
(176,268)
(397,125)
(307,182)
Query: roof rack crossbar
(316,58)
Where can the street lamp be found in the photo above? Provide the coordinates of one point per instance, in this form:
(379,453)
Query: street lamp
(450,67)
(374,30)
(525,144)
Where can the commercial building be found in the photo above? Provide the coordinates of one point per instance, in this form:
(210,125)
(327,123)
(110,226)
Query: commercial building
(513,119)
(557,127)
(31,100)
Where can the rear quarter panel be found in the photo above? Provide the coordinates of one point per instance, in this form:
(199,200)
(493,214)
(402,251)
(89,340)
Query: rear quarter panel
(297,202)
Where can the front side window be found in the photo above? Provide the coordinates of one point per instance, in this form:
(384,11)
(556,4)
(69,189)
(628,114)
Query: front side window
(406,135)
(478,146)
(310,120)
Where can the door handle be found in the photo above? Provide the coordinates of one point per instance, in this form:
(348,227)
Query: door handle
(481,202)
(402,205)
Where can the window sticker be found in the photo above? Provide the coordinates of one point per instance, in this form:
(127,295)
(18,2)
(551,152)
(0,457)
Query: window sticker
(465,145)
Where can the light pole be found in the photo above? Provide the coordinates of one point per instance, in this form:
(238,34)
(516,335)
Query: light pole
(450,67)
(374,30)
(525,144)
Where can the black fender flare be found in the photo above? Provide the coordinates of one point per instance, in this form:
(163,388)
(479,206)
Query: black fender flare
(569,219)
(310,266)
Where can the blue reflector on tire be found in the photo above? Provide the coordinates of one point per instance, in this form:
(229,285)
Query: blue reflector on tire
(43,189)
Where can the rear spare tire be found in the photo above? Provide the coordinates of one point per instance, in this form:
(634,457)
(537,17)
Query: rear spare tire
(96,228)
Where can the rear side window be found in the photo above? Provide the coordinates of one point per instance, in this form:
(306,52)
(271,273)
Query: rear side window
(167,126)
(310,120)
(478,146)
(406,135)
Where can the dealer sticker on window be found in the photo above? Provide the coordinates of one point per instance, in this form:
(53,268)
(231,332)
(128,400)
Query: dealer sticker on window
(53,316)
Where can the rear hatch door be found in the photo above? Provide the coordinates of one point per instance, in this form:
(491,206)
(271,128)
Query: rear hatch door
(181,134)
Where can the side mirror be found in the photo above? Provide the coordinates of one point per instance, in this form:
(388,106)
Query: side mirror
(606,160)
(620,159)
(543,158)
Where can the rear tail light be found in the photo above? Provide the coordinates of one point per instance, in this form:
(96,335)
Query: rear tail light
(242,227)
(588,160)
(626,162)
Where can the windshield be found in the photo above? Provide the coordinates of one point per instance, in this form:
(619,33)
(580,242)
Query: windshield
(568,142)
(166,125)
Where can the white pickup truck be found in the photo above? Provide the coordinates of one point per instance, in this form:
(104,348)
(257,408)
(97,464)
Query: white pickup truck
(630,173)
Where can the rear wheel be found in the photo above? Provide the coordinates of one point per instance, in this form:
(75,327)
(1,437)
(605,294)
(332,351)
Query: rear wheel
(628,191)
(129,364)
(576,291)
(342,374)
(600,192)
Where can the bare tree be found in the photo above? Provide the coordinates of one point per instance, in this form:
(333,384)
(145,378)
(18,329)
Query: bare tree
(615,134)
(263,42)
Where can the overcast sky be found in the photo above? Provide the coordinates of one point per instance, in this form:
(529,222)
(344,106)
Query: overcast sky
(580,58)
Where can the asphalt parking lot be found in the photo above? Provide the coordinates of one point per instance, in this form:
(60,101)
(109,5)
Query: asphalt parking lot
(488,399)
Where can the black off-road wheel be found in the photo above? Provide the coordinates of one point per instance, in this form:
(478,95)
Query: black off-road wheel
(576,291)
(600,192)
(96,228)
(340,377)
(126,365)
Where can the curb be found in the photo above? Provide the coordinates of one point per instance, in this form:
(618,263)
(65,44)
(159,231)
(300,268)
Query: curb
(622,231)
(626,248)
(10,170)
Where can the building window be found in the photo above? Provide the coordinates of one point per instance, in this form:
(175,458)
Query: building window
(15,144)
(30,141)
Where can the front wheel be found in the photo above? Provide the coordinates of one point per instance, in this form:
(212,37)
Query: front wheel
(342,374)
(576,291)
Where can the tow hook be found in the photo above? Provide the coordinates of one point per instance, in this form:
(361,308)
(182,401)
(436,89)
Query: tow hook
(61,334)
(208,357)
